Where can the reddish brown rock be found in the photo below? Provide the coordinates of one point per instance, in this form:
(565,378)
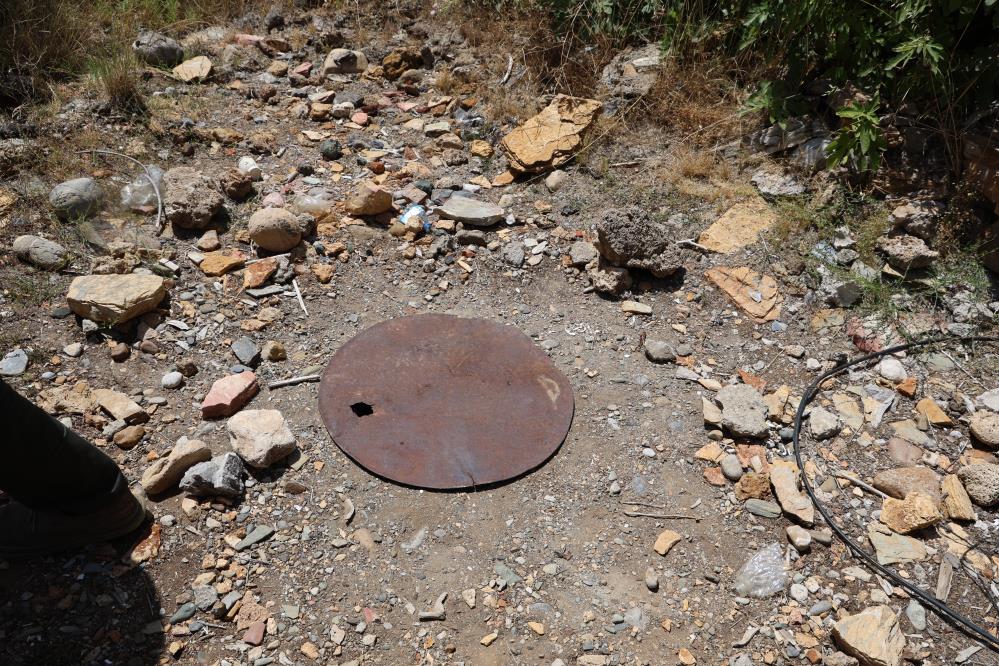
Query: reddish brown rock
(255,634)
(258,273)
(901,481)
(228,395)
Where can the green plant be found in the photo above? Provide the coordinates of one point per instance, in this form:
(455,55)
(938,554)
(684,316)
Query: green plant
(860,140)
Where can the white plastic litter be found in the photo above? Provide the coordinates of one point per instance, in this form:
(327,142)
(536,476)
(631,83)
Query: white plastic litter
(763,575)
(312,204)
(140,192)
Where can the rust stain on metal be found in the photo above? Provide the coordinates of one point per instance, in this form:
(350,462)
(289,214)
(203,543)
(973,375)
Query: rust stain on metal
(444,402)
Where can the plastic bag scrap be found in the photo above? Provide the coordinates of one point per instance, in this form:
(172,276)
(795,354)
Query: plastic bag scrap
(140,194)
(763,575)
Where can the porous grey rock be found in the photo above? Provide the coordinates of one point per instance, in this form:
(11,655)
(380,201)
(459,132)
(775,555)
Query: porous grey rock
(40,252)
(222,476)
(630,238)
(906,252)
(513,253)
(190,200)
(73,199)
(275,229)
(260,437)
(744,412)
(984,426)
(157,49)
(982,483)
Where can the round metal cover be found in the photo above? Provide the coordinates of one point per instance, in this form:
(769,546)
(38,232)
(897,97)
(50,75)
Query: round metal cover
(437,401)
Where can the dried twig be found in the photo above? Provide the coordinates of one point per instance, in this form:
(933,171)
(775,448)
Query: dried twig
(646,504)
(298,293)
(660,516)
(690,242)
(294,380)
(509,68)
(860,484)
(149,177)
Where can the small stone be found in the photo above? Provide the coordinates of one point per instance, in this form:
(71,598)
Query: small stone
(157,50)
(956,502)
(222,476)
(260,437)
(659,351)
(369,199)
(172,380)
(209,241)
(582,253)
(731,467)
(75,199)
(984,427)
(799,593)
(744,412)
(74,350)
(871,636)
(246,351)
(929,408)
(40,252)
(906,253)
(275,229)
(255,634)
(800,538)
(165,472)
(901,481)
(892,369)
(784,479)
(468,596)
(259,533)
(14,363)
(215,264)
(229,394)
(537,628)
(981,481)
(916,512)
(555,180)
(120,352)
(634,307)
(120,406)
(471,211)
(762,508)
(128,437)
(665,542)
(274,351)
(651,579)
(916,614)
(822,423)
(344,61)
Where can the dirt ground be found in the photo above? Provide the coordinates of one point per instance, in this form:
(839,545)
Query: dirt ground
(558,570)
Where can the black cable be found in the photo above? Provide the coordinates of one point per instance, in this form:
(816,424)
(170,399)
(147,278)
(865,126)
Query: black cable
(971,628)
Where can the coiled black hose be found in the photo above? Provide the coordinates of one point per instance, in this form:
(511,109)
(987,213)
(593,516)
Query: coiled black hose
(940,608)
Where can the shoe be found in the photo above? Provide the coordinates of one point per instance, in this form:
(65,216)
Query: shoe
(26,532)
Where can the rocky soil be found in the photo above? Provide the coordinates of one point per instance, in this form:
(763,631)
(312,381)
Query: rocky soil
(315,183)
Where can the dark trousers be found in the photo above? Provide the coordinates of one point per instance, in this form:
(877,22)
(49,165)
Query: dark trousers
(48,467)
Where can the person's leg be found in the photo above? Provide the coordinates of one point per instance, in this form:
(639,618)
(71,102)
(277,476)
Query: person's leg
(65,492)
(47,466)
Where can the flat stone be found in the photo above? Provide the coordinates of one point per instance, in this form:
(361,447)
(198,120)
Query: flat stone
(892,548)
(984,427)
(956,502)
(259,533)
(247,351)
(219,263)
(471,211)
(553,136)
(120,406)
(744,412)
(115,299)
(929,408)
(916,614)
(784,479)
(128,437)
(982,483)
(229,394)
(222,476)
(762,508)
(908,430)
(665,541)
(902,481)
(903,452)
(14,363)
(260,437)
(731,467)
(164,473)
(738,227)
(823,424)
(258,273)
(634,307)
(582,253)
(872,636)
(659,351)
(916,512)
(40,252)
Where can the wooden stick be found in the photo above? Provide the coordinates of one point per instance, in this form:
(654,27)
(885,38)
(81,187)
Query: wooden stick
(298,292)
(689,242)
(660,516)
(861,484)
(294,380)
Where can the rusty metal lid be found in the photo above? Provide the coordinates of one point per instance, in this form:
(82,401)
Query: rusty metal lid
(443,402)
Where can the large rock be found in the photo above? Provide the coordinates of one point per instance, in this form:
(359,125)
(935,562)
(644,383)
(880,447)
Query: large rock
(982,483)
(43,253)
(190,200)
(369,199)
(344,61)
(744,412)
(906,252)
(872,636)
(114,299)
(73,199)
(164,473)
(630,238)
(902,481)
(552,137)
(260,437)
(275,229)
(229,394)
(984,427)
(222,476)
(471,211)
(157,50)
(916,512)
